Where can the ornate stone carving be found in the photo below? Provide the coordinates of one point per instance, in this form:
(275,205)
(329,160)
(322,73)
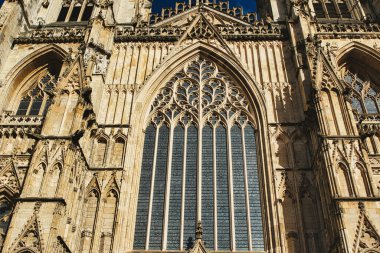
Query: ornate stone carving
(52,35)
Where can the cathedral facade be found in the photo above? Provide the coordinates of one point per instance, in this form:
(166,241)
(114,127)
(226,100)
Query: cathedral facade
(201,128)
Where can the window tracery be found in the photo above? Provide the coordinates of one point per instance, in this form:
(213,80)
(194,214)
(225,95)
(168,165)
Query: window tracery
(331,9)
(200,134)
(37,100)
(76,11)
(364,98)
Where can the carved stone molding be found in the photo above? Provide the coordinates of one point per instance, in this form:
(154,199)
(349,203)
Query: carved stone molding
(52,35)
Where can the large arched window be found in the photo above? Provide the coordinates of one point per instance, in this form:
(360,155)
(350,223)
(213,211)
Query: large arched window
(365,96)
(199,163)
(37,100)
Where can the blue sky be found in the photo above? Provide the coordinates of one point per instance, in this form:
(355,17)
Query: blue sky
(248,5)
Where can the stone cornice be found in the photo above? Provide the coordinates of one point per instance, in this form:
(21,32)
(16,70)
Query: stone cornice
(52,35)
(347,30)
(172,34)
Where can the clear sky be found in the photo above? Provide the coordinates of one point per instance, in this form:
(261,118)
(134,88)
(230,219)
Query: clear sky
(248,5)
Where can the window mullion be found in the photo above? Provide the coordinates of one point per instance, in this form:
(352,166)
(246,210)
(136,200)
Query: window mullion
(231,187)
(246,190)
(83,7)
(30,105)
(167,190)
(72,4)
(152,189)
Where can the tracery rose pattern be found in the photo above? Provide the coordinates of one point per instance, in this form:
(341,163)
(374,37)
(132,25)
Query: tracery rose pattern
(201,90)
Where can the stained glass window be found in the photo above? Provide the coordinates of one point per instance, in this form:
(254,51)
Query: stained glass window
(37,100)
(199,146)
(364,99)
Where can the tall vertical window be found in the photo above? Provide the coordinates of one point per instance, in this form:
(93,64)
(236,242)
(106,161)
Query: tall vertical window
(199,163)
(331,9)
(76,11)
(37,100)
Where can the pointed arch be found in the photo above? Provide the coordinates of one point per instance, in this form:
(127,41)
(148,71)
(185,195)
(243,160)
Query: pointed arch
(109,215)
(90,212)
(99,151)
(35,182)
(54,180)
(49,57)
(231,66)
(343,176)
(145,97)
(118,149)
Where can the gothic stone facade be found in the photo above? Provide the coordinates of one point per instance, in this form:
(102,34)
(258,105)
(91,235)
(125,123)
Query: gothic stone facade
(82,83)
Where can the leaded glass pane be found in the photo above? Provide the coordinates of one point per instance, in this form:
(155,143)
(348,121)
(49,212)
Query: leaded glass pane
(241,226)
(145,185)
(356,105)
(318,9)
(191,186)
(36,105)
(370,105)
(208,187)
(155,239)
(254,189)
(222,190)
(196,104)
(331,10)
(23,106)
(174,225)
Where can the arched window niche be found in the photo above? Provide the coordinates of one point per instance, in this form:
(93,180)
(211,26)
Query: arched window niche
(32,83)
(199,163)
(359,68)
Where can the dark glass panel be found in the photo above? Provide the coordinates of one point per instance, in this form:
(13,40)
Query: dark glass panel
(240,205)
(156,224)
(370,105)
(344,11)
(87,12)
(254,190)
(23,106)
(191,186)
(75,13)
(145,185)
(63,13)
(5,213)
(222,190)
(356,105)
(208,187)
(318,9)
(174,225)
(331,10)
(36,105)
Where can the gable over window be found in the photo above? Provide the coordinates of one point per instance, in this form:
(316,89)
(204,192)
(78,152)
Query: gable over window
(243,9)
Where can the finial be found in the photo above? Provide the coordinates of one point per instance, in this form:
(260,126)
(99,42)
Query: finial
(199,231)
